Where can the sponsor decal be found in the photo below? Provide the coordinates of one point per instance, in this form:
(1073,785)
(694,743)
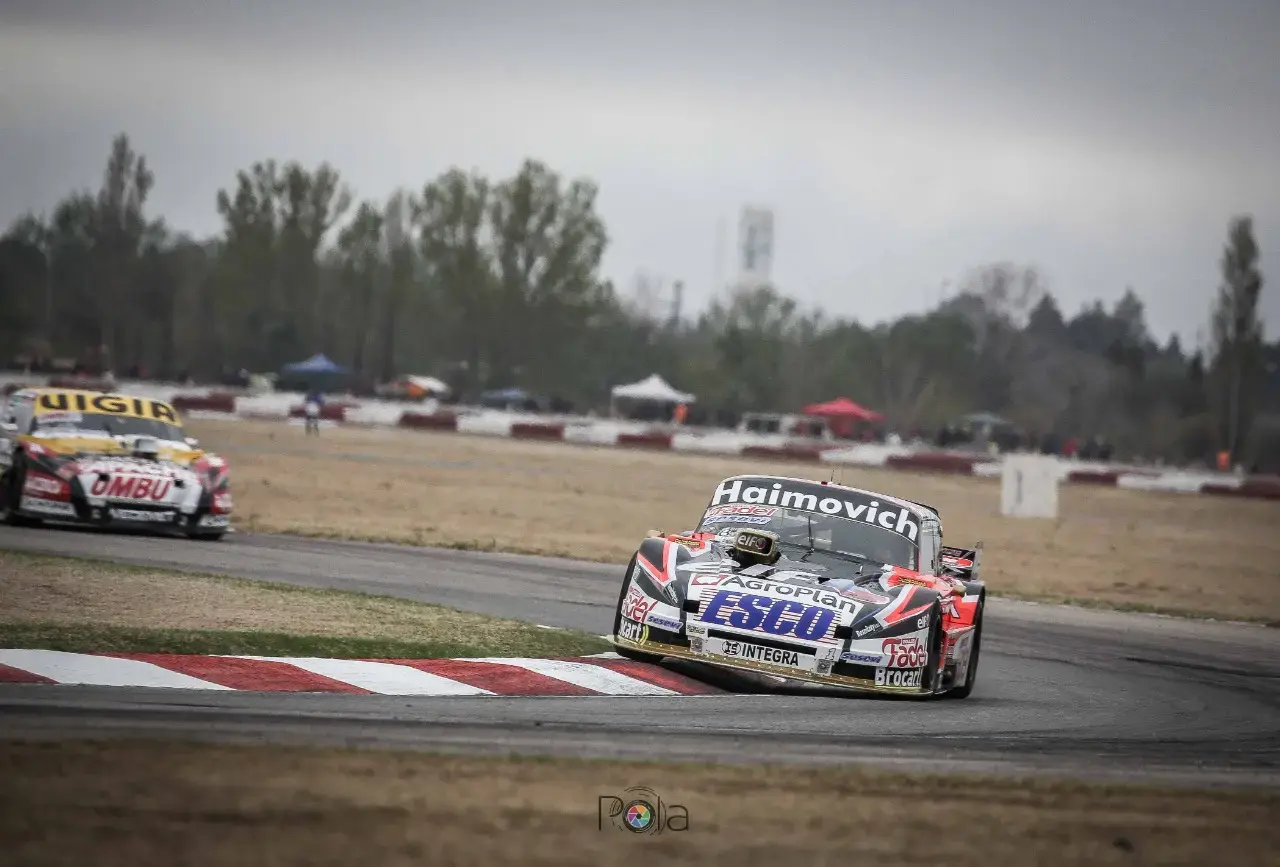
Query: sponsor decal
(111,404)
(55,418)
(898,677)
(922,621)
(142,515)
(629,630)
(686,542)
(215,521)
(132,487)
(636,605)
(46,507)
(222,502)
(905,652)
(900,579)
(759,653)
(707,580)
(792,495)
(816,595)
(864,657)
(39,485)
(663,622)
(781,617)
(139,468)
(869,628)
(737,519)
(753,511)
(754,541)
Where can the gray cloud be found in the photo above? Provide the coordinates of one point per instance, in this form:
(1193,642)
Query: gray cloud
(1108,143)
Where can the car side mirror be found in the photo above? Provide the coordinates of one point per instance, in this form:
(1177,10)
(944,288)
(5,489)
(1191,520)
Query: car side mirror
(8,427)
(192,442)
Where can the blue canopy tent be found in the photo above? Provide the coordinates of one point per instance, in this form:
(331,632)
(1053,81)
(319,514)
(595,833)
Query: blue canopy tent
(319,372)
(510,399)
(318,363)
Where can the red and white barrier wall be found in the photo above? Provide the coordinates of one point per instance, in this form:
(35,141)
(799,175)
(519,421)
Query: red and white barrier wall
(729,443)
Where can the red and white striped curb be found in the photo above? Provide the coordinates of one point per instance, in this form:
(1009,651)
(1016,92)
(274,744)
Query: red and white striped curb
(579,676)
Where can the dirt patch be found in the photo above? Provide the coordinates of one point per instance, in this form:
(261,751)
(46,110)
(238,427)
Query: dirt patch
(165,803)
(55,591)
(1123,548)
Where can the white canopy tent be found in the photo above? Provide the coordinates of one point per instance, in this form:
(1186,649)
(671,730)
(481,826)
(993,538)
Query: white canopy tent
(652,389)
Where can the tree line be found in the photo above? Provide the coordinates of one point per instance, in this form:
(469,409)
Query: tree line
(493,283)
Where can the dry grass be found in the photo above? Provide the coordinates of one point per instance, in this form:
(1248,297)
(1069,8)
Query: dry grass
(112,601)
(165,804)
(1122,548)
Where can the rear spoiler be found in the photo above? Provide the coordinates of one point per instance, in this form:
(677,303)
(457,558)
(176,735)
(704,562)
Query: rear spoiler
(925,506)
(963,563)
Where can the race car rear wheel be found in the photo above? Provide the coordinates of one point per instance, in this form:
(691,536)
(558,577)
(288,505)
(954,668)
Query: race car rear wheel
(972,677)
(626,652)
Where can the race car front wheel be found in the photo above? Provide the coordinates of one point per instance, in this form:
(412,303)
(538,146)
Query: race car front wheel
(626,652)
(971,677)
(933,665)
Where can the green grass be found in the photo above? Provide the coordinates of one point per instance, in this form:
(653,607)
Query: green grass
(86,638)
(85,605)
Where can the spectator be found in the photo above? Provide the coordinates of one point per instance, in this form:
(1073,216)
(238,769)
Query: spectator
(315,400)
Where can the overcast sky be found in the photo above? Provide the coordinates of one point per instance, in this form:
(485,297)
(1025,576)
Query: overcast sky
(900,145)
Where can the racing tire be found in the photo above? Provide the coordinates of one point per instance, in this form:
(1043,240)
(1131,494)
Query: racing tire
(932,669)
(11,493)
(972,676)
(626,652)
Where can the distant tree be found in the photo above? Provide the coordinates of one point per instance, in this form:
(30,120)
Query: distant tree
(547,242)
(1236,343)
(1045,321)
(461,288)
(364,269)
(119,234)
(270,308)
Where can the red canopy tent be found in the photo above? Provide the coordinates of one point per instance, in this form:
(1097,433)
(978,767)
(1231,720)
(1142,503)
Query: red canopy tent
(842,415)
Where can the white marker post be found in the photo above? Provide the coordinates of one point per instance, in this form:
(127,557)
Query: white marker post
(1029,486)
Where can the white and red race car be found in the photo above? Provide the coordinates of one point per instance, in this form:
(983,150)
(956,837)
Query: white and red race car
(84,457)
(809,581)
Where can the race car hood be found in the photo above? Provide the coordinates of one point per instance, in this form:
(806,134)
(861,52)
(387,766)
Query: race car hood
(144,482)
(792,600)
(66,443)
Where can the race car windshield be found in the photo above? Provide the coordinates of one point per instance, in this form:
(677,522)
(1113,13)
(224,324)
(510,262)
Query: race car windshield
(116,425)
(821,534)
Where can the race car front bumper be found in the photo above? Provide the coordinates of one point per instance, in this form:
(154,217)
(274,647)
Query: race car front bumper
(841,675)
(78,510)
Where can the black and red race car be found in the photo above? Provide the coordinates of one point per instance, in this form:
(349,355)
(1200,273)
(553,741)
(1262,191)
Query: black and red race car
(810,581)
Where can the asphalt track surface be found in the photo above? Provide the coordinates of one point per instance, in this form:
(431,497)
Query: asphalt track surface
(1062,691)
